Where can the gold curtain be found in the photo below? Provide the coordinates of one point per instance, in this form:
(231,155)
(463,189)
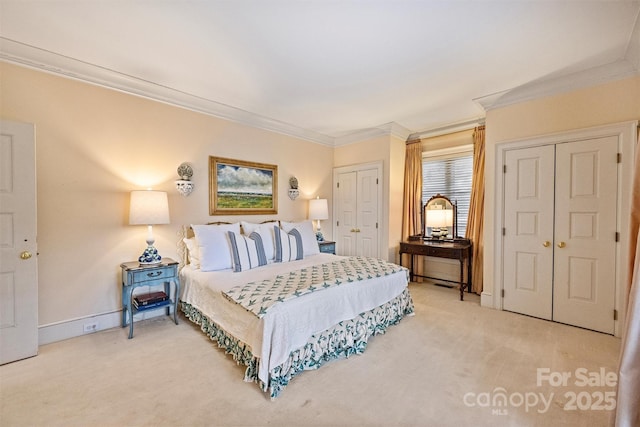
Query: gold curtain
(476,209)
(412,202)
(628,405)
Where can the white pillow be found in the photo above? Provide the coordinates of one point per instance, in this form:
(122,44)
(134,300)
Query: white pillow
(289,246)
(193,254)
(214,246)
(309,240)
(246,252)
(266,232)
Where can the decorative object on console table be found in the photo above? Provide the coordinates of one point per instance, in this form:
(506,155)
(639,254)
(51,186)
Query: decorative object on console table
(327,247)
(135,275)
(149,208)
(460,250)
(184,185)
(318,209)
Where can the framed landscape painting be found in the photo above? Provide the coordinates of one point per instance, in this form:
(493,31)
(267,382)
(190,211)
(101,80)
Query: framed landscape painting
(239,187)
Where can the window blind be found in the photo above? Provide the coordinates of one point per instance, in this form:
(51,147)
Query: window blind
(451,176)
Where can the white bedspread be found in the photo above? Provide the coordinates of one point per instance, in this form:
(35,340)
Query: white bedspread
(287,326)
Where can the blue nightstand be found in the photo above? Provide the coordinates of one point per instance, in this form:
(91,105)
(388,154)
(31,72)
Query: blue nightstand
(135,275)
(327,247)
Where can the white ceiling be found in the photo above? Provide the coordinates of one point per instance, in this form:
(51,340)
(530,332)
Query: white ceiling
(323,70)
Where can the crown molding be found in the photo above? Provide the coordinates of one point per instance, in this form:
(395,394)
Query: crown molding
(387,129)
(633,47)
(53,63)
(541,88)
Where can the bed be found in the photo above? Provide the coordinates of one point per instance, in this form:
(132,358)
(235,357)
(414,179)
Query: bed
(277,305)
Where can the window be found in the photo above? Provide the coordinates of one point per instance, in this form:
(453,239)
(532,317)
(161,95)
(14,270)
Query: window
(449,172)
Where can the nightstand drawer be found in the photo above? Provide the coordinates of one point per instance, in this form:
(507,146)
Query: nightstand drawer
(327,247)
(154,274)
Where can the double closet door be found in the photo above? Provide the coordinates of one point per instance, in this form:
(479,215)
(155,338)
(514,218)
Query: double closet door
(560,232)
(357,205)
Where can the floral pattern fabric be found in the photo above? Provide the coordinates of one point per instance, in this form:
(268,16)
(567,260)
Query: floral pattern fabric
(259,297)
(343,340)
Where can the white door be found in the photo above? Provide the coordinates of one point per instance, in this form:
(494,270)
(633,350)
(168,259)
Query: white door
(528,231)
(560,220)
(18,267)
(367,222)
(357,203)
(585,233)
(346,203)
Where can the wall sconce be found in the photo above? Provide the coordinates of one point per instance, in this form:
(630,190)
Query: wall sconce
(293,188)
(184,184)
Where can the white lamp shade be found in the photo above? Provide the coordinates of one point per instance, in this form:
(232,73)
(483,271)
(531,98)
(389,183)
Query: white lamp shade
(439,218)
(318,209)
(448,217)
(149,208)
(436,218)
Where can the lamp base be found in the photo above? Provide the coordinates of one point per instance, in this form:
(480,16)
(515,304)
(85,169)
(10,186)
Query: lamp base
(150,256)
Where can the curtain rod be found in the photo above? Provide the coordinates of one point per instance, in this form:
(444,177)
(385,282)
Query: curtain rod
(450,128)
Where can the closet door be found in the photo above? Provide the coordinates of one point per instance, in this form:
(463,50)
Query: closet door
(585,231)
(528,231)
(367,213)
(346,203)
(357,204)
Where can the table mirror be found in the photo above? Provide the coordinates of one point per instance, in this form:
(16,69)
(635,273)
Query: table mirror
(439,219)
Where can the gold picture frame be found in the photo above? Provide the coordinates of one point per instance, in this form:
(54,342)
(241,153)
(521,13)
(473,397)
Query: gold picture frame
(237,187)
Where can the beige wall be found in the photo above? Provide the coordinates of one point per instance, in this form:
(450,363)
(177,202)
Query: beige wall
(608,103)
(94,145)
(397,151)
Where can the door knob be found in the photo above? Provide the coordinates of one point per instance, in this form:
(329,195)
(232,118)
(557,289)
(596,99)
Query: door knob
(353,230)
(546,244)
(561,245)
(25,255)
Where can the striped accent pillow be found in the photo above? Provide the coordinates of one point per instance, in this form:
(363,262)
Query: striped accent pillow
(288,245)
(247,252)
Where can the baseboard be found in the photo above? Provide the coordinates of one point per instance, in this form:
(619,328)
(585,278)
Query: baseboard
(486,300)
(72,328)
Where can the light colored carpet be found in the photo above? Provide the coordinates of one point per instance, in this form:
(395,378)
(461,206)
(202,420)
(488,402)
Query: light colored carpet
(421,372)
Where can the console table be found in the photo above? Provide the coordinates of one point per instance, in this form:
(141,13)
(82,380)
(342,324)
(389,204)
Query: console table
(452,250)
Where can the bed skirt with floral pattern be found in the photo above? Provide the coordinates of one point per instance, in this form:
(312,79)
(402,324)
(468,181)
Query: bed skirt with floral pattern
(342,340)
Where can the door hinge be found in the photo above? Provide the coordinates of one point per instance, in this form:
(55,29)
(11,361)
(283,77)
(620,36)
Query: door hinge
(504,231)
(502,293)
(619,157)
(615,314)
(617,236)
(504,168)
(338,185)
(337,223)
(376,225)
(376,181)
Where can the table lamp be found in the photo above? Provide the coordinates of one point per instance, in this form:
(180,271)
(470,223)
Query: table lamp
(318,209)
(438,220)
(149,208)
